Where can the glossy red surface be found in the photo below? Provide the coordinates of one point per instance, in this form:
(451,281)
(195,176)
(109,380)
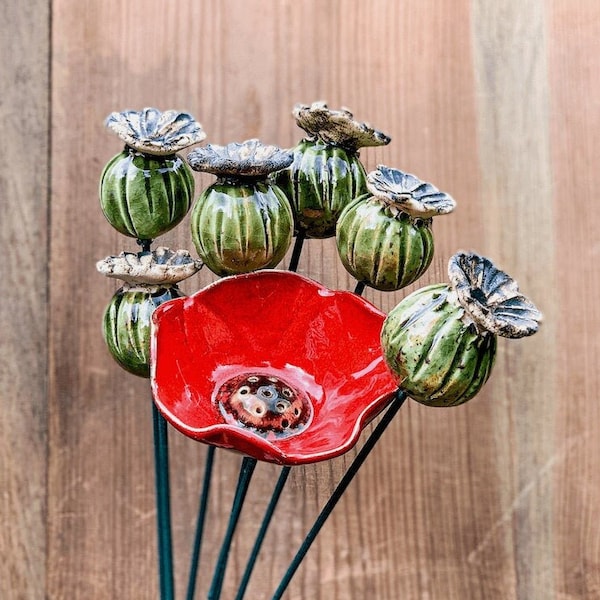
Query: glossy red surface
(278,324)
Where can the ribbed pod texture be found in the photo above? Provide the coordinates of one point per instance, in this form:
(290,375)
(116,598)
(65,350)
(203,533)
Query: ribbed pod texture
(320,183)
(241,227)
(144,196)
(383,248)
(435,351)
(127,325)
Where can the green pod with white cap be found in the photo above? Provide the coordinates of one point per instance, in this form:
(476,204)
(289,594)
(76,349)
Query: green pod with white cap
(384,238)
(326,174)
(243,222)
(440,341)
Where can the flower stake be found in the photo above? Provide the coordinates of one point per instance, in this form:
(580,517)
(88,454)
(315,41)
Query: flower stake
(145,191)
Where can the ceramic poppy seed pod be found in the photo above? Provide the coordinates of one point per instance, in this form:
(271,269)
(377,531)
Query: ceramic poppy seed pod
(243,222)
(326,173)
(150,280)
(147,189)
(440,341)
(384,238)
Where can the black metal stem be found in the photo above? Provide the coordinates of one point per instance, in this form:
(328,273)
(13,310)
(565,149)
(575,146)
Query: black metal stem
(338,492)
(246,471)
(360,288)
(260,536)
(298,244)
(145,244)
(202,509)
(163,506)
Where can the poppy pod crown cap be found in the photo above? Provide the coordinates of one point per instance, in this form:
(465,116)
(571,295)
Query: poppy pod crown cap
(337,127)
(492,298)
(162,266)
(408,193)
(154,132)
(251,158)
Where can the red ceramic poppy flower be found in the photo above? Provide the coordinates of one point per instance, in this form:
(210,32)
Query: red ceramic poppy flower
(270,364)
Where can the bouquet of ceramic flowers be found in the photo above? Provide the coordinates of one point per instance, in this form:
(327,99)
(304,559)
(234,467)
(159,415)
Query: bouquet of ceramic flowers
(266,362)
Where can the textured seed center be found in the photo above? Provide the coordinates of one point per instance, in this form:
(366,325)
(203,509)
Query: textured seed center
(264,403)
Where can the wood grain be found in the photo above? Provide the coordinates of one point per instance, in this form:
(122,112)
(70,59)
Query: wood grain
(576,459)
(513,122)
(496,103)
(24,110)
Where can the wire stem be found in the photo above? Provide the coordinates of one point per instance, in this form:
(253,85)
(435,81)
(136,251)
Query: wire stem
(260,536)
(339,490)
(145,244)
(300,237)
(360,288)
(163,506)
(246,471)
(202,509)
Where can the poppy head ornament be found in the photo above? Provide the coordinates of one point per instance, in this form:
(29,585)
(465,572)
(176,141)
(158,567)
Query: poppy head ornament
(440,341)
(147,189)
(232,369)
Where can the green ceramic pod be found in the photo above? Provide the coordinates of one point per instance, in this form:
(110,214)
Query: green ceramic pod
(384,247)
(326,173)
(440,341)
(146,189)
(243,222)
(384,238)
(150,280)
(127,324)
(144,196)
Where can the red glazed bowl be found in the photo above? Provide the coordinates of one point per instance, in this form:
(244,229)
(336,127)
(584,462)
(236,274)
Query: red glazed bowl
(271,364)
